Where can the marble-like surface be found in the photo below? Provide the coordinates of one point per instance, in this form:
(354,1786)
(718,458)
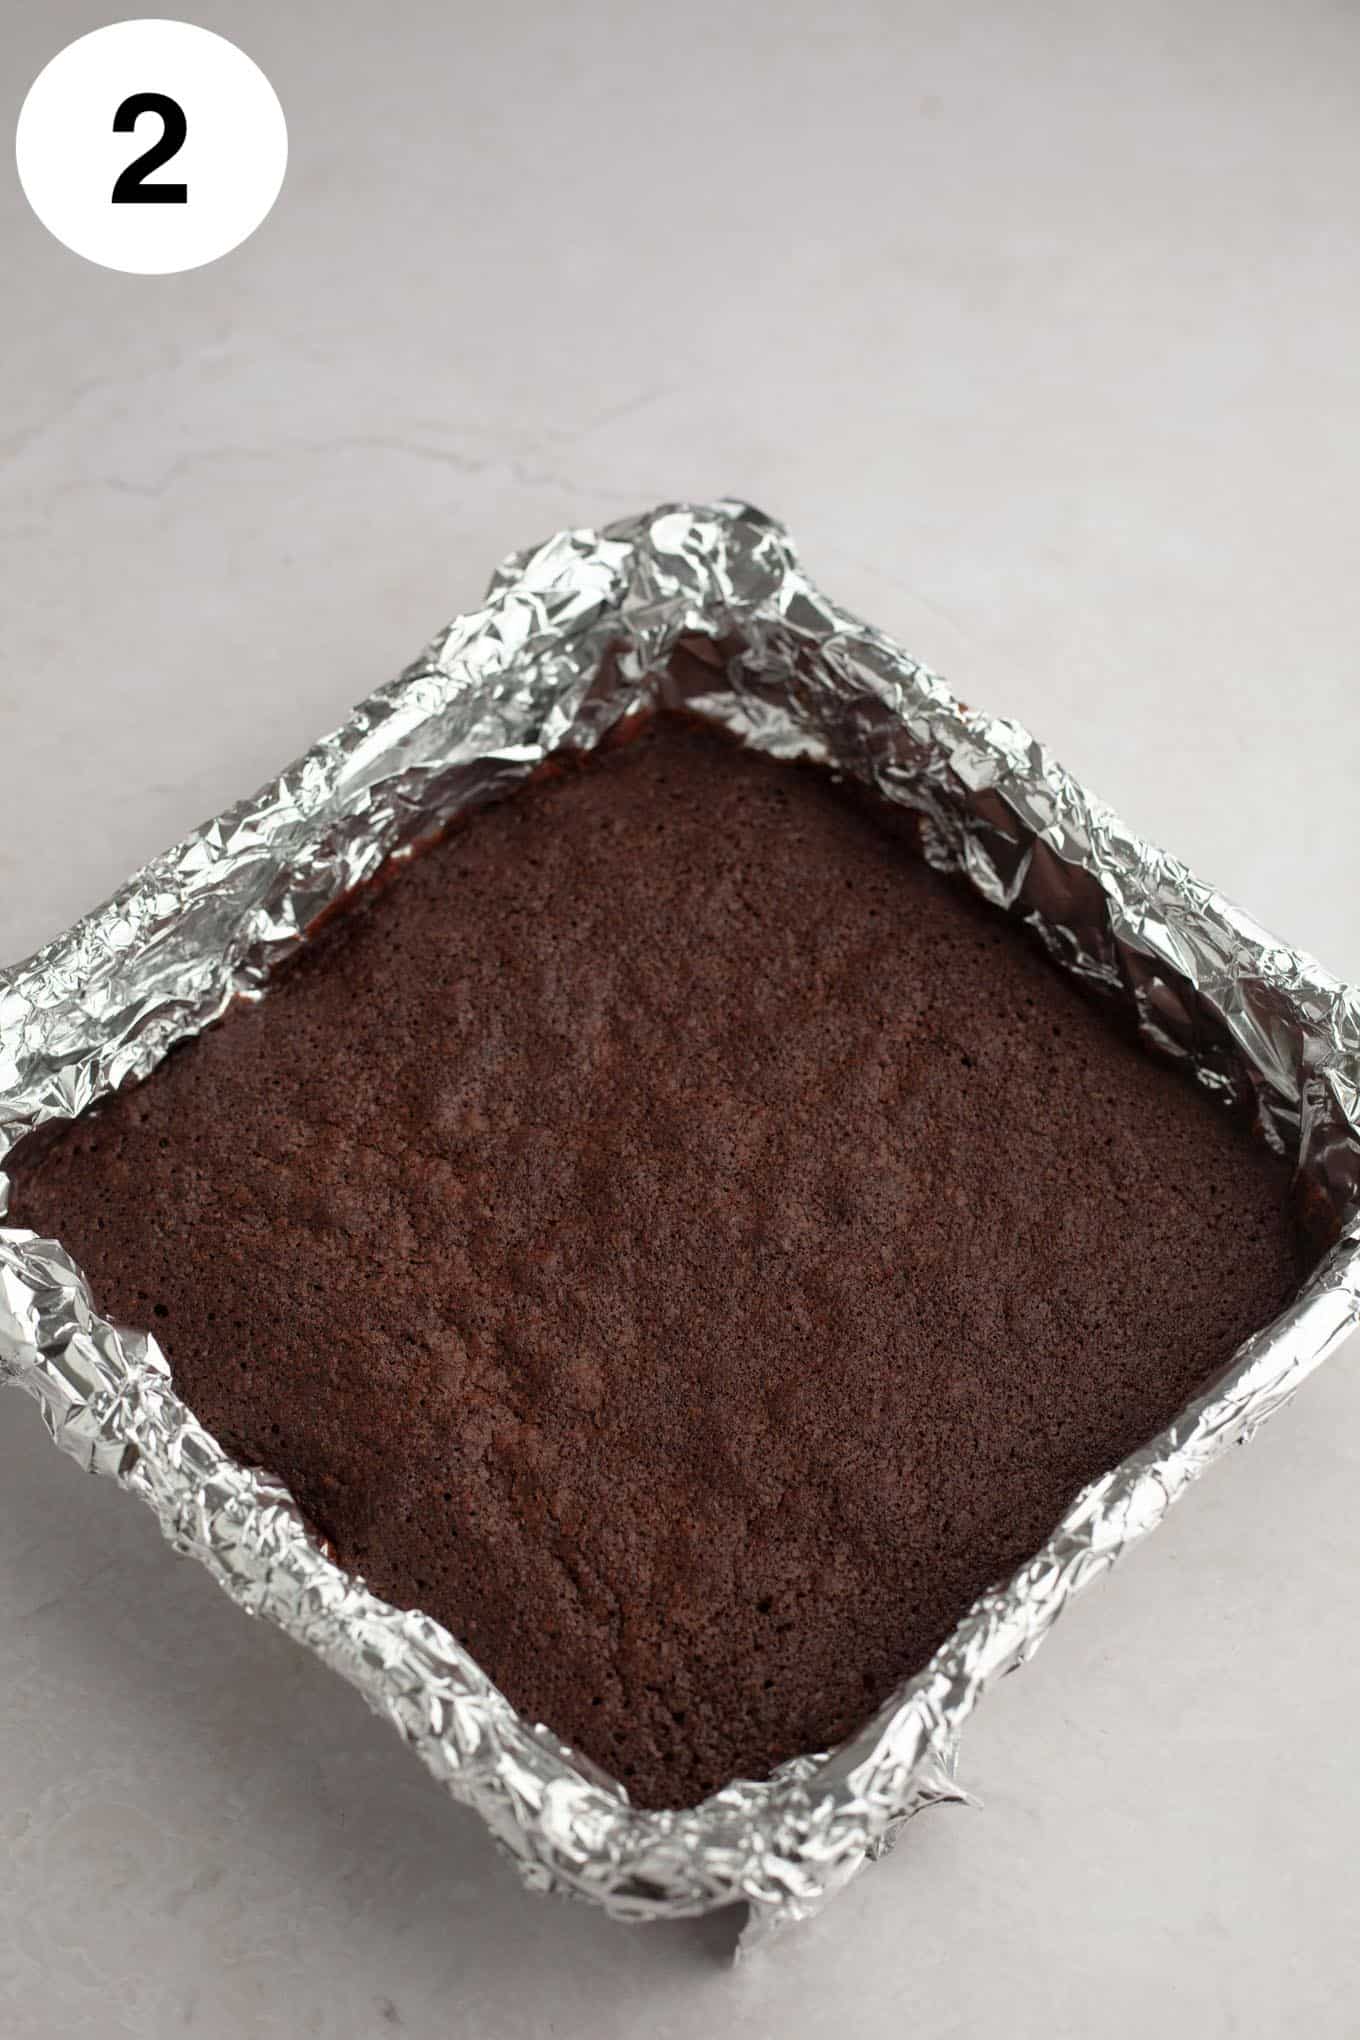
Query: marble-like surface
(1037,324)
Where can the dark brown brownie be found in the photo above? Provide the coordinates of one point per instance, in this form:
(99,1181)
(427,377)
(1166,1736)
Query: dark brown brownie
(680,1241)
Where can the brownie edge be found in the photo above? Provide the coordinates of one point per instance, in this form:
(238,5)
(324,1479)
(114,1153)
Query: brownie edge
(681,1242)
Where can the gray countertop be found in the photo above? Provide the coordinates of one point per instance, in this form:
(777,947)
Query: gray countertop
(1037,325)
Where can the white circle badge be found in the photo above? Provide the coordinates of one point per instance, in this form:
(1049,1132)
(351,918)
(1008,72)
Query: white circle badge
(151,146)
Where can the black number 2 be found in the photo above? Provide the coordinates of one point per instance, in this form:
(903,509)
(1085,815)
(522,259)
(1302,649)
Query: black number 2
(131,188)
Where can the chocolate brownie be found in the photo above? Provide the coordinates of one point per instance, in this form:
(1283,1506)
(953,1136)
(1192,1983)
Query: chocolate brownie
(680,1241)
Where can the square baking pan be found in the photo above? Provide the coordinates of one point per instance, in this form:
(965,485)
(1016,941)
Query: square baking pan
(577,637)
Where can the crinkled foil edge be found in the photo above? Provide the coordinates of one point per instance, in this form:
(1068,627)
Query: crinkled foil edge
(575,635)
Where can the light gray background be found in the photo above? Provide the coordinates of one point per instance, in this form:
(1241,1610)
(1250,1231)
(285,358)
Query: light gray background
(1037,323)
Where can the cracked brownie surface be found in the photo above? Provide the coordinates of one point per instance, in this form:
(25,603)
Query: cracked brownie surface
(681,1242)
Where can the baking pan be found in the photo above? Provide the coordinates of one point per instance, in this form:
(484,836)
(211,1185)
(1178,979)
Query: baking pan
(576,636)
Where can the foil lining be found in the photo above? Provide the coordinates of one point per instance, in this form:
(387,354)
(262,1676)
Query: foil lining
(575,635)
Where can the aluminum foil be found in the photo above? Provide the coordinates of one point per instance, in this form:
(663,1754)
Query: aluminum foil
(574,635)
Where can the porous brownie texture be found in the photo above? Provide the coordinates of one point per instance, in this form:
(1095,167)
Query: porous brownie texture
(680,1241)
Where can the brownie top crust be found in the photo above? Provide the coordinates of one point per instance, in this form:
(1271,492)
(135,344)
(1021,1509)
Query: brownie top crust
(680,1241)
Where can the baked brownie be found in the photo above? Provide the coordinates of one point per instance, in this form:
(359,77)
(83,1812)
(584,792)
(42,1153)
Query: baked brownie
(680,1241)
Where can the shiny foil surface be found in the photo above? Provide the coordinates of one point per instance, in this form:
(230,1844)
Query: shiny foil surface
(575,635)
